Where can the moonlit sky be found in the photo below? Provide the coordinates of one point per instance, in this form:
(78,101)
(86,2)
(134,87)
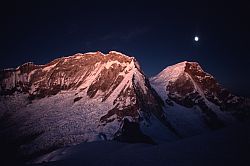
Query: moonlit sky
(157,34)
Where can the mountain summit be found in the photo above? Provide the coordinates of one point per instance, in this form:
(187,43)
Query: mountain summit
(96,96)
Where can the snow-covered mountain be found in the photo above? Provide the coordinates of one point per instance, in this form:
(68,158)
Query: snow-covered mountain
(79,98)
(95,96)
(195,101)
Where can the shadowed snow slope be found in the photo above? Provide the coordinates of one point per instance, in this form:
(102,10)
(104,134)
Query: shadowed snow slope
(228,146)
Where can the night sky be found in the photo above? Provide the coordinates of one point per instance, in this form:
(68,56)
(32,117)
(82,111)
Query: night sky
(157,34)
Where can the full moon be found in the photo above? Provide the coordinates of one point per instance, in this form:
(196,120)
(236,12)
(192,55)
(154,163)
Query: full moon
(196,38)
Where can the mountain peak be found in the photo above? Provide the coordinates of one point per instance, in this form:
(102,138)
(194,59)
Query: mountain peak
(183,65)
(119,54)
(176,70)
(111,55)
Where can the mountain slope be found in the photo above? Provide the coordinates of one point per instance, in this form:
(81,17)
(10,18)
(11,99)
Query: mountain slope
(84,97)
(195,101)
(228,146)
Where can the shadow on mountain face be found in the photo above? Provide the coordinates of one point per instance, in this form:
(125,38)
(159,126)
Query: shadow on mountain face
(130,132)
(10,149)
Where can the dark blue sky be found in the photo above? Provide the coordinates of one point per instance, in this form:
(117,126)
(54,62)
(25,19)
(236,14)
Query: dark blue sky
(157,34)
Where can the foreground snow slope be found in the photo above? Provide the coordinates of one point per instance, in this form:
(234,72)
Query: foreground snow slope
(228,146)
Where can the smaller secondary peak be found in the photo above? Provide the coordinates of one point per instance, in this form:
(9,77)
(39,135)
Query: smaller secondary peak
(25,66)
(179,66)
(176,70)
(183,65)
